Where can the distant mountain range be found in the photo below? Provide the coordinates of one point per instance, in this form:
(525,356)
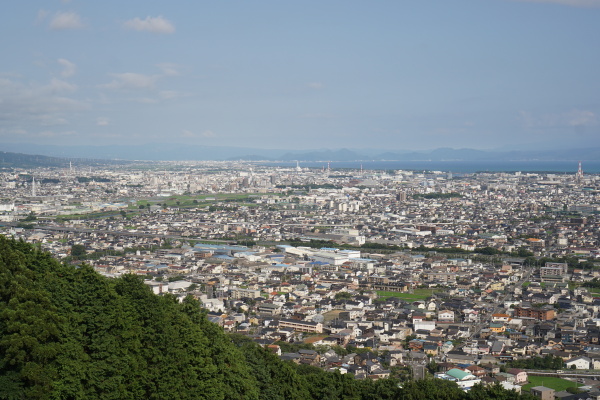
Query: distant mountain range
(19,160)
(181,152)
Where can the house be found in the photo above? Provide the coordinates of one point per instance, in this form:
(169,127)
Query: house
(464,379)
(446,316)
(301,326)
(477,370)
(542,392)
(310,357)
(430,348)
(269,309)
(458,357)
(519,374)
(500,317)
(579,363)
(497,347)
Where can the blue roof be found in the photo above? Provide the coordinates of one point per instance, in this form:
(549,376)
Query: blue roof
(222,247)
(276,256)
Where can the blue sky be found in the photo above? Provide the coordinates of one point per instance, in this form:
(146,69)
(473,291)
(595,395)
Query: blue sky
(308,74)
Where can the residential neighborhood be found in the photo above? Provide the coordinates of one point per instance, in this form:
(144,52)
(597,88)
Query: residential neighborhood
(375,273)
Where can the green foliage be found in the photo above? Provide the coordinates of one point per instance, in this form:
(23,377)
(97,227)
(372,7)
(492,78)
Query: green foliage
(315,244)
(380,246)
(437,195)
(489,251)
(523,252)
(78,251)
(310,186)
(452,250)
(68,332)
(30,217)
(549,362)
(343,296)
(85,179)
(247,243)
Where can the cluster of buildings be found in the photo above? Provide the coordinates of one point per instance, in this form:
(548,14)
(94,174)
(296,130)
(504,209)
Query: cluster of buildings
(374,299)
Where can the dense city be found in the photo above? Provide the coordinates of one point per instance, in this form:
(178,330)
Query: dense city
(475,278)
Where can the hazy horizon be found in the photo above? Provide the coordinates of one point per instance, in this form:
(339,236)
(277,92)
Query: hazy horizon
(394,75)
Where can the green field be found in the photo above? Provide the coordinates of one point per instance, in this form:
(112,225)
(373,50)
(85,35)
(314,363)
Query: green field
(188,201)
(418,294)
(557,384)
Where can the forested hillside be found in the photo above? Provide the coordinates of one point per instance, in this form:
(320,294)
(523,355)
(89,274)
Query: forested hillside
(68,333)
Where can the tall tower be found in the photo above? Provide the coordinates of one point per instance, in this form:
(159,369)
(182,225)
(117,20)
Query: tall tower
(33,194)
(579,175)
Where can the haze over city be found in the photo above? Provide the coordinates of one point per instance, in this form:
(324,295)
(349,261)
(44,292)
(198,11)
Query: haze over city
(497,74)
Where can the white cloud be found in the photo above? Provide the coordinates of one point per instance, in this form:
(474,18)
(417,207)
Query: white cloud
(69,68)
(145,100)
(66,20)
(55,134)
(187,134)
(150,24)
(571,3)
(171,94)
(581,118)
(41,15)
(37,105)
(102,121)
(208,134)
(574,118)
(131,80)
(315,85)
(169,69)
(57,86)
(50,120)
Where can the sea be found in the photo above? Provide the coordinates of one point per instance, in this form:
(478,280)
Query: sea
(558,167)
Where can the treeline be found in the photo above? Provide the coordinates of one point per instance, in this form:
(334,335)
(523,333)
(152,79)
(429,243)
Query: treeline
(437,195)
(593,284)
(317,244)
(548,362)
(310,186)
(571,261)
(69,333)
(86,179)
